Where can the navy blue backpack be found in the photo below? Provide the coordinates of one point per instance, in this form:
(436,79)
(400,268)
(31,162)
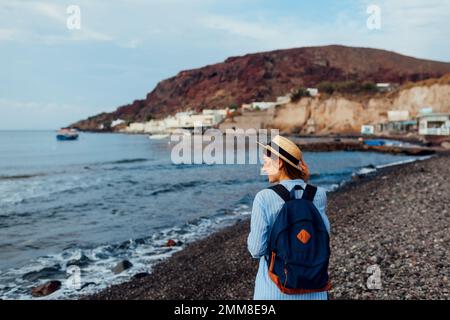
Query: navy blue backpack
(299,245)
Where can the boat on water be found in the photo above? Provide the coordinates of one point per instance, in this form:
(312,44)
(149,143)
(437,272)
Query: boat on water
(158,136)
(375,143)
(67,134)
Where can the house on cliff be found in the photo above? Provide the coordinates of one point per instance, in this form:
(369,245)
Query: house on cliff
(437,124)
(399,121)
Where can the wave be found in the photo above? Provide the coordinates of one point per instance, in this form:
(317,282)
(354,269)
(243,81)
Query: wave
(404,161)
(143,252)
(21,176)
(178,187)
(89,166)
(75,168)
(95,263)
(123,161)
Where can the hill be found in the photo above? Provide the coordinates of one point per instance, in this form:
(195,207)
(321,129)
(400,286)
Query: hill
(266,75)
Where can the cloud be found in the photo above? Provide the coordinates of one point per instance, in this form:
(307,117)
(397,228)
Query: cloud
(47,23)
(246,26)
(53,11)
(415,27)
(124,48)
(7,34)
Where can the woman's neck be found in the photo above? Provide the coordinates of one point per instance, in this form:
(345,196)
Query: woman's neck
(284,177)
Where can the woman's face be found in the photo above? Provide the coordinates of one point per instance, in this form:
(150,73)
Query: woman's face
(271,168)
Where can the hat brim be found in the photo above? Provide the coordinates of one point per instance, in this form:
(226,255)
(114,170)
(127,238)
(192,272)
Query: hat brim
(267,147)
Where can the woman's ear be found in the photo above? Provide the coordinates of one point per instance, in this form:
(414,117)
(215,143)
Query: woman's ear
(280,164)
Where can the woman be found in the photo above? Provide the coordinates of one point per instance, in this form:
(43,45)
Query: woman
(284,164)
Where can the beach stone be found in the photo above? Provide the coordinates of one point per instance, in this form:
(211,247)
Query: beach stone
(46,288)
(375,259)
(83,261)
(87,284)
(141,275)
(45,273)
(122,266)
(406,238)
(140,241)
(171,243)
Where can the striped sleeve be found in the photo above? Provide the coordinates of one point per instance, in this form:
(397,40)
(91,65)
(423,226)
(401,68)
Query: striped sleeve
(259,228)
(320,201)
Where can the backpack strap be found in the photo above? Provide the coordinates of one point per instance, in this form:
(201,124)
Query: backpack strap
(281,191)
(309,193)
(285,195)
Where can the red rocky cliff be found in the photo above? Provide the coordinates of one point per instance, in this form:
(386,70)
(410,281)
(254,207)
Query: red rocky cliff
(264,76)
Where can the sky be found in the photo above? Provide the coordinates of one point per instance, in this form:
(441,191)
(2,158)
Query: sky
(52,75)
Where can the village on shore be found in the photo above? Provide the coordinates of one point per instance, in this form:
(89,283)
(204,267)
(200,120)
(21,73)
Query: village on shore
(427,123)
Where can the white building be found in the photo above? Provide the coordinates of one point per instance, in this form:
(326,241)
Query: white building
(187,120)
(184,120)
(310,126)
(222,112)
(283,99)
(136,127)
(367,129)
(398,115)
(155,126)
(116,122)
(262,105)
(204,120)
(313,92)
(171,122)
(434,124)
(385,86)
(218,114)
(426,110)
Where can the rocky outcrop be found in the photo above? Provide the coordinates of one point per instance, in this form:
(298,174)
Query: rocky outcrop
(45,273)
(264,76)
(122,266)
(83,261)
(346,114)
(46,288)
(141,275)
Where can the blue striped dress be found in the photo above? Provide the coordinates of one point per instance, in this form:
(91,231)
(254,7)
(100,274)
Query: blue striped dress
(266,206)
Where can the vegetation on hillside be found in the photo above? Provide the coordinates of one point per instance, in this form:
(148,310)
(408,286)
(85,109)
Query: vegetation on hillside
(347,87)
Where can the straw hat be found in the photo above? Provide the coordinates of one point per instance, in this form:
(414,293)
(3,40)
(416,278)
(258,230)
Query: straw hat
(286,150)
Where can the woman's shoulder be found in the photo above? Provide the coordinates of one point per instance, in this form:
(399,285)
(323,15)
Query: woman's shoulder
(268,195)
(265,194)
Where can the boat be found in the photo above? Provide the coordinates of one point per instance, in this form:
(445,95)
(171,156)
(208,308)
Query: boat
(375,143)
(158,136)
(67,134)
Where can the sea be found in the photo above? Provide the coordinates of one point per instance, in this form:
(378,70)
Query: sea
(108,197)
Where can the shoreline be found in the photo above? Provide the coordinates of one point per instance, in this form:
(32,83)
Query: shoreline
(345,143)
(228,272)
(145,250)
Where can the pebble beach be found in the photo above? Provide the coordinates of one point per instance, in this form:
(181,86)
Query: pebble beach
(397,219)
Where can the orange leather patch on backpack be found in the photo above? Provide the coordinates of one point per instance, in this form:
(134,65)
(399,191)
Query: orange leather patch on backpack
(303,236)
